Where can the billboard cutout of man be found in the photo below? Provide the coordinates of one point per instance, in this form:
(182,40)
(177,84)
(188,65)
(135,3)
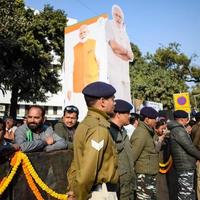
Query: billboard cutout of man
(86,68)
(85,59)
(119,54)
(97,49)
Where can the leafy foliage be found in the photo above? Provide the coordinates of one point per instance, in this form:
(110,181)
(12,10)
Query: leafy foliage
(157,77)
(27,42)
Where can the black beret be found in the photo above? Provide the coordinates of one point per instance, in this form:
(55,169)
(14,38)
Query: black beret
(122,106)
(149,112)
(99,89)
(180,114)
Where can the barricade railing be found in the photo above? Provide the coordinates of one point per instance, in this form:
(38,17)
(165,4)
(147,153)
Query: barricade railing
(38,175)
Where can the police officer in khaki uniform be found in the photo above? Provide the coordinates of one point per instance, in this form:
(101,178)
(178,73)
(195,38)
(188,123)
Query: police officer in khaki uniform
(145,155)
(93,173)
(127,180)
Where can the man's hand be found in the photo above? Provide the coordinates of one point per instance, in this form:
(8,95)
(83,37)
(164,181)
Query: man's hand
(16,147)
(49,140)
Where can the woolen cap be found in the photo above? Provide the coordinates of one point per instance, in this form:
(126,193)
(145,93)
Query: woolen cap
(149,112)
(180,114)
(122,106)
(99,89)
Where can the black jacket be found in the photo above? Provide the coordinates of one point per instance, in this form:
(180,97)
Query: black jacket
(5,151)
(184,153)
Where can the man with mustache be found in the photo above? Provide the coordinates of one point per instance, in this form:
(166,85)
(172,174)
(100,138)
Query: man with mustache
(35,135)
(67,125)
(93,173)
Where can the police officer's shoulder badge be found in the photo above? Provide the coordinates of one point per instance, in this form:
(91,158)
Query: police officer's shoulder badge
(97,145)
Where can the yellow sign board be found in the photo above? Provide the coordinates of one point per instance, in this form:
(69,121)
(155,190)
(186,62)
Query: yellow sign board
(182,102)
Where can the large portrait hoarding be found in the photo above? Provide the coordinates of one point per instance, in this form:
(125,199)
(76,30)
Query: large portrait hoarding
(97,49)
(85,59)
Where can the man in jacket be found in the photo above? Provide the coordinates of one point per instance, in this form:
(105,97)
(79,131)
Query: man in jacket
(127,177)
(134,120)
(184,155)
(196,131)
(93,172)
(67,125)
(6,148)
(35,136)
(196,141)
(145,155)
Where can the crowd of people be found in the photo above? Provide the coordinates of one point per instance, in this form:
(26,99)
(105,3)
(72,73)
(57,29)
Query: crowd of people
(117,154)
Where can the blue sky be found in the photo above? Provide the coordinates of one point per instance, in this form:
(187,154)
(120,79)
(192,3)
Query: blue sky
(150,23)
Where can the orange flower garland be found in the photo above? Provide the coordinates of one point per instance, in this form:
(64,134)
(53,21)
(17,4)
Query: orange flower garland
(30,174)
(15,162)
(31,183)
(38,180)
(166,165)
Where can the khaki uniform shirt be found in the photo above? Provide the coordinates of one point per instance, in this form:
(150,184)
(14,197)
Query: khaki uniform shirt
(95,155)
(144,152)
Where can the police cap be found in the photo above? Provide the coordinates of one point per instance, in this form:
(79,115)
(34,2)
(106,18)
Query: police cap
(149,112)
(99,89)
(122,106)
(180,114)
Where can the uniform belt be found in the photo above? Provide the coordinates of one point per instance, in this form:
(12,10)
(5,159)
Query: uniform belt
(111,187)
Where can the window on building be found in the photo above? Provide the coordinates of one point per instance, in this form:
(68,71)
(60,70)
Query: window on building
(55,110)
(46,110)
(26,109)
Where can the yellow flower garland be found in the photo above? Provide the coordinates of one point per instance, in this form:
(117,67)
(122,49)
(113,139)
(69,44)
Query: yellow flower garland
(28,171)
(6,180)
(166,165)
(31,183)
(39,181)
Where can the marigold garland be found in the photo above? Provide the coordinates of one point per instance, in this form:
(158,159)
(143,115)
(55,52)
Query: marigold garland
(15,162)
(30,174)
(40,182)
(31,183)
(2,181)
(168,164)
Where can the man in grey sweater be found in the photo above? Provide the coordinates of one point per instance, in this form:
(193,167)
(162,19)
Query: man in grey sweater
(35,135)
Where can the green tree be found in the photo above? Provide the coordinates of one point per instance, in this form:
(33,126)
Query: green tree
(156,77)
(195,96)
(171,58)
(27,40)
